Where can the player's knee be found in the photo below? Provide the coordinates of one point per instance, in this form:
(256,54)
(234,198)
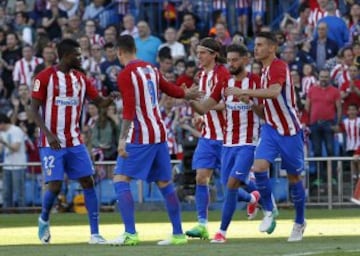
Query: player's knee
(86,182)
(55,186)
(202,178)
(234,183)
(294,178)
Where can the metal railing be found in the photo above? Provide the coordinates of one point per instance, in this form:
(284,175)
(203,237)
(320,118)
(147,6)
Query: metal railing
(328,194)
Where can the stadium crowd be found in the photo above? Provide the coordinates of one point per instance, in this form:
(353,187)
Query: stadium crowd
(320,41)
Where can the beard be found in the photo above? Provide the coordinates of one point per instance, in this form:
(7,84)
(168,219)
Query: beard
(236,71)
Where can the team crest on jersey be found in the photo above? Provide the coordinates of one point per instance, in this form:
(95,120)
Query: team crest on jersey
(36,87)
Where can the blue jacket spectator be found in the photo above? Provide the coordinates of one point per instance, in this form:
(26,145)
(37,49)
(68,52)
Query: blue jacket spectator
(146,44)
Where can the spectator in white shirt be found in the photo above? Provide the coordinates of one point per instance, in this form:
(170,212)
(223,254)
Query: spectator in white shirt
(177,49)
(129,25)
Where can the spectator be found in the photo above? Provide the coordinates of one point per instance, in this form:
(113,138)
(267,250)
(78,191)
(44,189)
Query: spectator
(187,78)
(74,26)
(289,56)
(9,58)
(339,74)
(194,42)
(256,68)
(179,67)
(49,59)
(110,68)
(320,12)
(69,6)
(177,49)
(221,35)
(146,44)
(93,9)
(187,30)
(350,90)
(85,47)
(20,116)
(322,48)
(24,68)
(54,19)
(129,25)
(25,31)
(324,112)
(104,136)
(165,60)
(308,80)
(337,29)
(354,25)
(90,32)
(92,67)
(111,34)
(12,140)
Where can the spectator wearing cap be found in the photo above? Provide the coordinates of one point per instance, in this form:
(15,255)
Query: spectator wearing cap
(323,48)
(146,44)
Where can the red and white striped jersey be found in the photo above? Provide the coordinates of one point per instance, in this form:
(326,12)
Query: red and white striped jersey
(317,14)
(351,127)
(340,74)
(221,4)
(306,83)
(169,120)
(24,70)
(241,123)
(97,39)
(139,83)
(213,120)
(63,97)
(280,113)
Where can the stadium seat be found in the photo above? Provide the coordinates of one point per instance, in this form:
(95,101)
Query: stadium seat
(280,189)
(152,192)
(107,193)
(32,193)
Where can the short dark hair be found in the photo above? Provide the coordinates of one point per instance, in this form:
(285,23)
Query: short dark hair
(268,35)
(164,53)
(240,49)
(66,46)
(127,43)
(4,119)
(190,64)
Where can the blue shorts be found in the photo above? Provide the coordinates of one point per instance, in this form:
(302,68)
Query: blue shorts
(236,162)
(74,161)
(148,162)
(242,11)
(290,149)
(207,154)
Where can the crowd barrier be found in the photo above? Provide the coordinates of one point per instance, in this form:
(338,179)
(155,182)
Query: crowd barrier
(329,182)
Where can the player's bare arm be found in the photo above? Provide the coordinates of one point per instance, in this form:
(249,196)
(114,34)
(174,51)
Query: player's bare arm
(219,107)
(125,127)
(270,93)
(54,141)
(204,106)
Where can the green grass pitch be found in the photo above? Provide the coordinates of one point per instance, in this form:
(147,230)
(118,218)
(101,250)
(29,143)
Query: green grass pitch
(328,233)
